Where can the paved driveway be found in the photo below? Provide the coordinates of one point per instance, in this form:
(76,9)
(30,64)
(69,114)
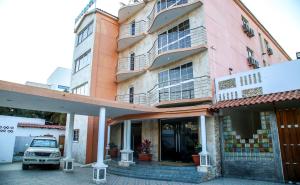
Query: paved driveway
(13,175)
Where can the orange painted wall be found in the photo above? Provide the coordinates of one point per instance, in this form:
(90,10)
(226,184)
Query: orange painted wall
(103,78)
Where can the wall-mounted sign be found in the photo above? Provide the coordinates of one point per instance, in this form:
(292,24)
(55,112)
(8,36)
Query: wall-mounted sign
(6,129)
(86,8)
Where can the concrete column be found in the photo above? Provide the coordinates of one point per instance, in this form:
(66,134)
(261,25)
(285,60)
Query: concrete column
(99,169)
(126,153)
(68,161)
(204,157)
(107,142)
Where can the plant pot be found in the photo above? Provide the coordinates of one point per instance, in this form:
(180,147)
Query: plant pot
(145,157)
(114,152)
(196,159)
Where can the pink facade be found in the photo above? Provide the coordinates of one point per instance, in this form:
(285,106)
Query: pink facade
(228,43)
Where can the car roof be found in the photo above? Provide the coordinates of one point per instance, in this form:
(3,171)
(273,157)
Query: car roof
(45,137)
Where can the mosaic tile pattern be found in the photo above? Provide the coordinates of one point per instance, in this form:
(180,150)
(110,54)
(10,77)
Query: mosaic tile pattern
(227,84)
(252,92)
(259,146)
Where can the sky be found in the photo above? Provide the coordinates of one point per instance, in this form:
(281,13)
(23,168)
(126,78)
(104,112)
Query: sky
(36,36)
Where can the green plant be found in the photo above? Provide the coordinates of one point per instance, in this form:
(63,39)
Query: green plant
(198,148)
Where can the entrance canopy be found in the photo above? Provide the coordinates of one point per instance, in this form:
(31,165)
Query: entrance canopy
(26,97)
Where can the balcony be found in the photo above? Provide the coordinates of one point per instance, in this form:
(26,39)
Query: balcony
(186,43)
(131,66)
(180,92)
(131,34)
(129,10)
(164,13)
(138,99)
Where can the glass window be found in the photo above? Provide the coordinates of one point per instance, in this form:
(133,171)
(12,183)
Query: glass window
(132,59)
(164,94)
(187,71)
(175,75)
(162,42)
(132,28)
(83,61)
(249,52)
(175,92)
(131,94)
(85,33)
(81,89)
(173,38)
(163,78)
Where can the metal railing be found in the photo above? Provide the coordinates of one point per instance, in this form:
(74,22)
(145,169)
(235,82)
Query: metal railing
(159,7)
(179,89)
(135,63)
(185,39)
(133,29)
(140,99)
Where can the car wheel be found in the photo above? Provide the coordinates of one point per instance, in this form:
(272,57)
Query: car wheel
(56,166)
(25,166)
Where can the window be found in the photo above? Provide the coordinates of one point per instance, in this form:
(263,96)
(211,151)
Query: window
(83,61)
(85,33)
(174,38)
(250,53)
(76,135)
(266,44)
(132,59)
(176,84)
(132,28)
(131,95)
(163,4)
(81,89)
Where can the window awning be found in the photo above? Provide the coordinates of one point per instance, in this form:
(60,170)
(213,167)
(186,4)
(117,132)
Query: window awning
(262,99)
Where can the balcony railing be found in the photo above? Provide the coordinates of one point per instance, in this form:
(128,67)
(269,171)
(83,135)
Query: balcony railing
(159,7)
(180,40)
(140,99)
(168,91)
(133,29)
(136,63)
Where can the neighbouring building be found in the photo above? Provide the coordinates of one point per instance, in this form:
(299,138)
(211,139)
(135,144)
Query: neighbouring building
(17,132)
(58,80)
(166,55)
(259,115)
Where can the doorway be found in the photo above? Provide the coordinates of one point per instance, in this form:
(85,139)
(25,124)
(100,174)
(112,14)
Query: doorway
(288,123)
(136,138)
(178,139)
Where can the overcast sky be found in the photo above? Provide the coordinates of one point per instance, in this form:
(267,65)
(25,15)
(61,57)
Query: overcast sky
(36,36)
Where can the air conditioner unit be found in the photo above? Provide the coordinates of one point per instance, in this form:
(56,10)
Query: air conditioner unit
(270,51)
(250,33)
(251,61)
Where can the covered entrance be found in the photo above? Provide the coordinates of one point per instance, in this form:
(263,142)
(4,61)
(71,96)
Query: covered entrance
(178,139)
(288,123)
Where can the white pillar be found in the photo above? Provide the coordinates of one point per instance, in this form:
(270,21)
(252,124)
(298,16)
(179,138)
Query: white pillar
(126,153)
(107,142)
(99,169)
(204,157)
(203,135)
(68,161)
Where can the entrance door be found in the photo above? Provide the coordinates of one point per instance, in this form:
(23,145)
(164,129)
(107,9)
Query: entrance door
(61,143)
(178,139)
(288,122)
(136,138)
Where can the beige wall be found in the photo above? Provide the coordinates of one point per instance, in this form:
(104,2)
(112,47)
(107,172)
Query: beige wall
(150,130)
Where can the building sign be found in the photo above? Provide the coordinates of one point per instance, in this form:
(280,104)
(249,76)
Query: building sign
(6,129)
(86,8)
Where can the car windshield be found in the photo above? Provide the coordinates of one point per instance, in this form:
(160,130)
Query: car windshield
(44,143)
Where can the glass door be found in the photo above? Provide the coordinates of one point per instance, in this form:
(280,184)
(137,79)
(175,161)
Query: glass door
(178,139)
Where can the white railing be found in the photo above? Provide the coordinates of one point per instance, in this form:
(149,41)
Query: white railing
(133,29)
(180,89)
(136,63)
(189,38)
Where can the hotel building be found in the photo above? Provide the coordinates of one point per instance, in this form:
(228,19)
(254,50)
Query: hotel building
(165,55)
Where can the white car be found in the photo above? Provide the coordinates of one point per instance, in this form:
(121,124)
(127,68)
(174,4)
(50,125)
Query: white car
(42,150)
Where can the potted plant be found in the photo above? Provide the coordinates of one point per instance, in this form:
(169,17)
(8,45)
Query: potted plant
(113,150)
(196,157)
(145,151)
